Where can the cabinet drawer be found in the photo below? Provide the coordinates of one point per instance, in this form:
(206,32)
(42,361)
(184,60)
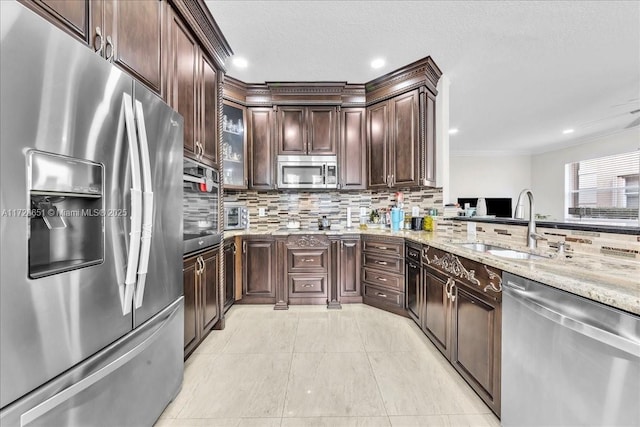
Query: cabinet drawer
(384,296)
(307,285)
(378,278)
(384,247)
(390,265)
(307,259)
(413,254)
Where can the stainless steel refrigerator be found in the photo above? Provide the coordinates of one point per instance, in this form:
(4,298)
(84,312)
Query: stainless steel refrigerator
(91,306)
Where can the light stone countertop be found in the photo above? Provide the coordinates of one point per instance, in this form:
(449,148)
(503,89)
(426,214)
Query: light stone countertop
(606,279)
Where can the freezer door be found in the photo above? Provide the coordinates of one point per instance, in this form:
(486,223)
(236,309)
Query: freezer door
(159,281)
(58,97)
(127,384)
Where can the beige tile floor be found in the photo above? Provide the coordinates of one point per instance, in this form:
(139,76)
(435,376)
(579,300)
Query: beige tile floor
(309,366)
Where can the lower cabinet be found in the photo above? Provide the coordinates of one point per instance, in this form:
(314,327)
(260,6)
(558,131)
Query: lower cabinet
(460,311)
(230,251)
(348,270)
(200,280)
(476,342)
(307,268)
(435,312)
(383,273)
(259,270)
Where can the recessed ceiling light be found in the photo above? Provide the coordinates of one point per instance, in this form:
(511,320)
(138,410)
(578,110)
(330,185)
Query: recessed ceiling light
(240,62)
(377,63)
(453,131)
(567,131)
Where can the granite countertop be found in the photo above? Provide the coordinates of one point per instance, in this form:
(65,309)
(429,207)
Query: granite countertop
(609,280)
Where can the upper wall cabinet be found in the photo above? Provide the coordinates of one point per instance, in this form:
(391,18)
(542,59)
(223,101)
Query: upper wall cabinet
(307,130)
(193,92)
(393,142)
(127,33)
(234,145)
(352,153)
(261,148)
(401,127)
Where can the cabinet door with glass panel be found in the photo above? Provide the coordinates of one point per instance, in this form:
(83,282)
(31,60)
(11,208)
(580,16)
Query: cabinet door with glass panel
(234,145)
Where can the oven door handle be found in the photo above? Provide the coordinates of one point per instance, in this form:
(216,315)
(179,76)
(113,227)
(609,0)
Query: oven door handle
(127,290)
(147,205)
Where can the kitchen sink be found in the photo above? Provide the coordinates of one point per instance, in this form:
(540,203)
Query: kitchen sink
(500,251)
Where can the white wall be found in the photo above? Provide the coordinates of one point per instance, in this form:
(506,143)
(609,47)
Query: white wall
(496,175)
(547,169)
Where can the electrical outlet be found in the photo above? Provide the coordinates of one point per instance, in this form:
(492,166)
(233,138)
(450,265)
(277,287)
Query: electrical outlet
(262,212)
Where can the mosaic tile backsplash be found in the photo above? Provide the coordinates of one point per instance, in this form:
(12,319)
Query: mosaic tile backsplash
(307,207)
(626,246)
(198,206)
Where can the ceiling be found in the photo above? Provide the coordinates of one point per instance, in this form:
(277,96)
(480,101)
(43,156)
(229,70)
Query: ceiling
(520,72)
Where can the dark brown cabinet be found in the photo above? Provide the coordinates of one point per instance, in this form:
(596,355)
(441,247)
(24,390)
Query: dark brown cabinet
(348,270)
(134,31)
(209,278)
(307,269)
(435,313)
(460,307)
(352,153)
(230,251)
(127,33)
(393,144)
(191,292)
(383,273)
(194,93)
(70,15)
(259,270)
(476,347)
(200,280)
(261,148)
(307,130)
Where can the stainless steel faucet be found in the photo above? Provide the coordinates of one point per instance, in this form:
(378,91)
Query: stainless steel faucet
(532,236)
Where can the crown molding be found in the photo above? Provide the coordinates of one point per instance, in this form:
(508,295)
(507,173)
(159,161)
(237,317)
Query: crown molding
(197,15)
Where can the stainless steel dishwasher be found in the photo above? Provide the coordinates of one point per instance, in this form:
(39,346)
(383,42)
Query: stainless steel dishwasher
(567,360)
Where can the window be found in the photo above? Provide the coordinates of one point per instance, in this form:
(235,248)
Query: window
(604,190)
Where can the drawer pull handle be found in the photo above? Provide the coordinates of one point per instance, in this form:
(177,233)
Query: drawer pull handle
(384,248)
(307,285)
(308,260)
(381,262)
(382,279)
(380,294)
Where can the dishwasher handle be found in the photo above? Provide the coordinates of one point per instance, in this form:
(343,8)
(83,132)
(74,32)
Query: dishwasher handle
(530,301)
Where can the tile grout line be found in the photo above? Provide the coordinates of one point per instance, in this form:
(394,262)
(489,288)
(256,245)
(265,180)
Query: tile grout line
(366,352)
(293,351)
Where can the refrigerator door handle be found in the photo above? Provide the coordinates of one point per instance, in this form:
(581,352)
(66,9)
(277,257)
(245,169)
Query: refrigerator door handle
(127,291)
(66,394)
(147,205)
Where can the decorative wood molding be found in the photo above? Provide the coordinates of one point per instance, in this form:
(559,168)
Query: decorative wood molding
(496,287)
(197,15)
(423,72)
(451,264)
(308,241)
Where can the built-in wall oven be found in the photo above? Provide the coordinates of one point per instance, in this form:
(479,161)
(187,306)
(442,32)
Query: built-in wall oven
(313,172)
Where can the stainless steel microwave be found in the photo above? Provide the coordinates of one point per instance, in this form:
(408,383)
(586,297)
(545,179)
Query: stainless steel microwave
(307,172)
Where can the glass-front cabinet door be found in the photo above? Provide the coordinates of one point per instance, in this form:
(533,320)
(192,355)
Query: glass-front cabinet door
(234,145)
